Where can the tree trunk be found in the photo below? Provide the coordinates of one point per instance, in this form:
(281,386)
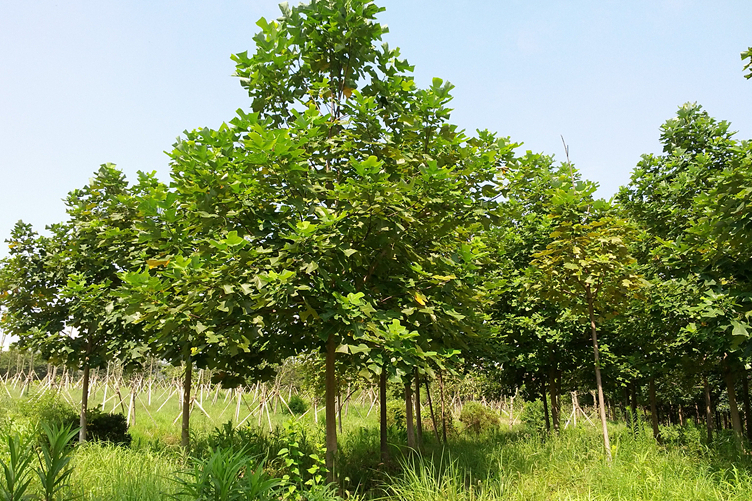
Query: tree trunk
(443,411)
(339,408)
(745,398)
(433,416)
(382,417)
(635,419)
(545,405)
(654,410)
(736,421)
(409,415)
(185,434)
(601,403)
(331,409)
(84,405)
(554,398)
(418,416)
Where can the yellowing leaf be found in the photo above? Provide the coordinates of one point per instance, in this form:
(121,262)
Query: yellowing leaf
(154,263)
(420,298)
(445,278)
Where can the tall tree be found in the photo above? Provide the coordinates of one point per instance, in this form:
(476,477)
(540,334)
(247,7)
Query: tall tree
(587,266)
(341,214)
(59,290)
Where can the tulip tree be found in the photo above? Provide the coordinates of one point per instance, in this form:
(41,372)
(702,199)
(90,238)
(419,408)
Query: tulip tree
(587,266)
(59,290)
(532,335)
(692,202)
(340,213)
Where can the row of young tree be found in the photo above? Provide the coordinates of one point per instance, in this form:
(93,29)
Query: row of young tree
(344,214)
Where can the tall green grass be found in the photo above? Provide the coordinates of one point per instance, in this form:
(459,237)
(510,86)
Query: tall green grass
(572,466)
(522,464)
(104,472)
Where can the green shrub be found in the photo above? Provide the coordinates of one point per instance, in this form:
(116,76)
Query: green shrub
(533,415)
(48,408)
(106,427)
(395,414)
(297,405)
(478,418)
(55,467)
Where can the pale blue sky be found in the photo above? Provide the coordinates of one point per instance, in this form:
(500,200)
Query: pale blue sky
(83,82)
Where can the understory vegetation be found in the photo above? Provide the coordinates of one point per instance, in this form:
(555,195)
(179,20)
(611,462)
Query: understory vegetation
(488,456)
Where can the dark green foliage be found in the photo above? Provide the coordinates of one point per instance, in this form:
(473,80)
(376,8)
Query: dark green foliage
(49,409)
(478,418)
(108,427)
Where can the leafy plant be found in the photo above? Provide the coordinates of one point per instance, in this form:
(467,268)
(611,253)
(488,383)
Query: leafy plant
(16,471)
(296,462)
(226,475)
(54,461)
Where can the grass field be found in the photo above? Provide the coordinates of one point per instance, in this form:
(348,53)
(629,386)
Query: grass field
(517,463)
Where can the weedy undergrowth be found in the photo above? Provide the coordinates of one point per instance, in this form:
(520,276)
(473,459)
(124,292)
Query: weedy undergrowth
(227,475)
(294,481)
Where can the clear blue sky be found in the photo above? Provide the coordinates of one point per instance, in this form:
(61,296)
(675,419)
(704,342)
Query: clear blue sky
(84,82)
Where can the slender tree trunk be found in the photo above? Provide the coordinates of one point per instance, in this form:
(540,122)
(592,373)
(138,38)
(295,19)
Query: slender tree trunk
(331,409)
(382,417)
(84,405)
(635,418)
(627,417)
(745,398)
(433,415)
(545,405)
(418,416)
(554,398)
(601,403)
(443,411)
(339,408)
(409,415)
(736,422)
(654,410)
(185,432)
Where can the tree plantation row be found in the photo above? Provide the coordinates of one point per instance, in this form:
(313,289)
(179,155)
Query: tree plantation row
(344,218)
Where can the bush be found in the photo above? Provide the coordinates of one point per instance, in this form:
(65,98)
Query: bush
(107,427)
(48,408)
(297,405)
(478,418)
(533,415)
(395,414)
